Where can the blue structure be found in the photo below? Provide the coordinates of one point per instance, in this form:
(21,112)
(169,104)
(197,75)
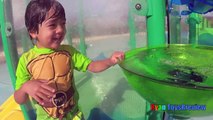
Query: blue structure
(197,6)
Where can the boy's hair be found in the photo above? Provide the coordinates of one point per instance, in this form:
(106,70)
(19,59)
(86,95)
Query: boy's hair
(37,10)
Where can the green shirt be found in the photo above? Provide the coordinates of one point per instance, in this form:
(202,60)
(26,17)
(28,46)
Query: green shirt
(78,62)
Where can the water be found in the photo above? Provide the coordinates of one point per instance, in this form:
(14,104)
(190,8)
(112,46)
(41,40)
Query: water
(178,74)
(174,62)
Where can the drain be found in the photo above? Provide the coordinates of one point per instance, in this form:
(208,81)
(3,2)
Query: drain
(186,75)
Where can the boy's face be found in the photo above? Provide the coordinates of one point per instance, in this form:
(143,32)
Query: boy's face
(50,33)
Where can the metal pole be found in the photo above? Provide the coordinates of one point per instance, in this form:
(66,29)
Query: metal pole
(193,21)
(9,45)
(9,31)
(131,24)
(156,23)
(81,28)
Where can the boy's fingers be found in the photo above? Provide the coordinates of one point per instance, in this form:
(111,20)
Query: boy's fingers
(48,104)
(43,97)
(43,81)
(48,88)
(39,100)
(123,56)
(47,92)
(120,57)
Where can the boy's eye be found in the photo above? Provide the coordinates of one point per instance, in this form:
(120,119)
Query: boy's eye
(52,25)
(63,23)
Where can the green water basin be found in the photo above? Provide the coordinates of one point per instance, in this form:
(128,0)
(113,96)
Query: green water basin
(175,75)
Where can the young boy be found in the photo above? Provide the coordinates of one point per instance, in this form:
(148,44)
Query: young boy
(45,72)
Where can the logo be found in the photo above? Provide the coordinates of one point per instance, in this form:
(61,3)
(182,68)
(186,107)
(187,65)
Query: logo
(60,99)
(155,107)
(174,107)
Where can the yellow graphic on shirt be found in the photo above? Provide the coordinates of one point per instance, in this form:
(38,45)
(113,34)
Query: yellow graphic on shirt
(56,68)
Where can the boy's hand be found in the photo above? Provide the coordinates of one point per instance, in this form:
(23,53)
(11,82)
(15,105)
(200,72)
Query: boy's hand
(101,65)
(117,57)
(40,91)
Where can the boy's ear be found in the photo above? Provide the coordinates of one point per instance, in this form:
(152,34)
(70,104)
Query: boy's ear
(33,34)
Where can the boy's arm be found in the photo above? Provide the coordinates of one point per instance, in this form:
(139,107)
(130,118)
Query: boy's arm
(101,65)
(20,96)
(38,89)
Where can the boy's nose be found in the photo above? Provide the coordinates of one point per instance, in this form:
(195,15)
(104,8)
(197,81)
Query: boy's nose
(60,29)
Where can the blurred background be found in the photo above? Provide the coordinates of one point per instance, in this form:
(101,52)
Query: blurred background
(97,28)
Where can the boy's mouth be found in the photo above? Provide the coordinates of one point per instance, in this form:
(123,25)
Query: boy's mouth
(57,39)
